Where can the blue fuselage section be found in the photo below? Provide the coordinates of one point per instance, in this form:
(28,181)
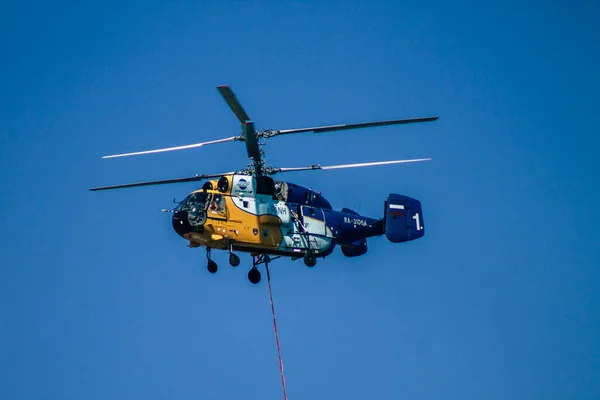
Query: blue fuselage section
(348,227)
(345,226)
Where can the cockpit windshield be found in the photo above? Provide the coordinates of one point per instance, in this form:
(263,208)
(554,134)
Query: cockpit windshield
(202,204)
(194,202)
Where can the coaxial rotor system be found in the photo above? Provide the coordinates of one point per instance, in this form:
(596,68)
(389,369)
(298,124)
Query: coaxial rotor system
(252,140)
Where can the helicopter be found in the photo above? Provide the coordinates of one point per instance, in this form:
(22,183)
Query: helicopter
(248,211)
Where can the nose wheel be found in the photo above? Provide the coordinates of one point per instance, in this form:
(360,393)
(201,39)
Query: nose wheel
(234,259)
(211,266)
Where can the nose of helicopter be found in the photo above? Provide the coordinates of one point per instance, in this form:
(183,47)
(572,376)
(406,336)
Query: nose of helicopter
(188,221)
(180,223)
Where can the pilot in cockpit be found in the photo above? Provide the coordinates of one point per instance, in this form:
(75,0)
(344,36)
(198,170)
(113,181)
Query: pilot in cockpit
(217,204)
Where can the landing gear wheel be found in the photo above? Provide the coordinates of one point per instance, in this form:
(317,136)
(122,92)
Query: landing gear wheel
(310,260)
(234,260)
(212,266)
(254,275)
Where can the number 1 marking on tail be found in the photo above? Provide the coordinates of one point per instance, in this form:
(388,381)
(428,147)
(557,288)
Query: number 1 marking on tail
(416,218)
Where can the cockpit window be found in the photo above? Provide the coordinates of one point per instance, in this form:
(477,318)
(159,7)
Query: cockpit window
(217,204)
(194,202)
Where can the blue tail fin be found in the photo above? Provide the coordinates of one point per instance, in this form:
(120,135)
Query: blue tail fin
(403,218)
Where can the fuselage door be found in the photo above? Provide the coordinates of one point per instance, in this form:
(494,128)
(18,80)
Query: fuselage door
(313,220)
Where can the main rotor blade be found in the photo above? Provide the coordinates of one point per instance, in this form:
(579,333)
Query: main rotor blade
(162,182)
(343,127)
(369,164)
(188,146)
(233,103)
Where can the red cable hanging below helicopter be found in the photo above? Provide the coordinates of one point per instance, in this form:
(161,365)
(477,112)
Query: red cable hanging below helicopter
(276,334)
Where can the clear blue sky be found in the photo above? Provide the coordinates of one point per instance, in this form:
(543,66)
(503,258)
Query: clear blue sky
(100,299)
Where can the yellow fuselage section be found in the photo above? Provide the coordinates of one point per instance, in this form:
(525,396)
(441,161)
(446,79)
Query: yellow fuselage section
(231,223)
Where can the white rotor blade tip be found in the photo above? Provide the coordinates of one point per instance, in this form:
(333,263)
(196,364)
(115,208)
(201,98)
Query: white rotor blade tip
(137,153)
(369,164)
(189,146)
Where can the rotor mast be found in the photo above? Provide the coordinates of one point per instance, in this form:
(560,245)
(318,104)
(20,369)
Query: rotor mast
(249,135)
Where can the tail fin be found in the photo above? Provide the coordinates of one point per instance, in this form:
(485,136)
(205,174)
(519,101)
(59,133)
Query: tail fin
(403,219)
